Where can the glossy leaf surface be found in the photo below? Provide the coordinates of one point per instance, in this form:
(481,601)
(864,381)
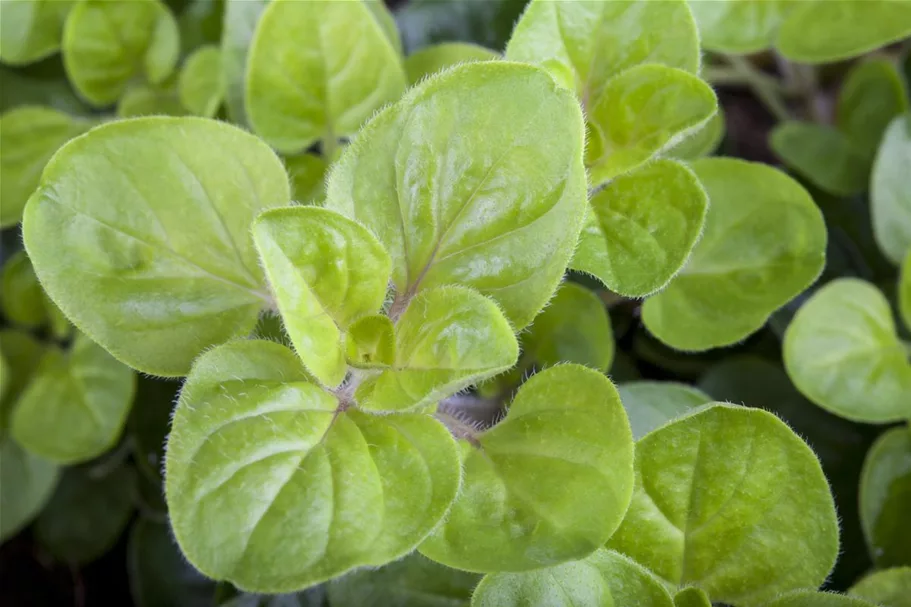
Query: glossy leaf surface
(652,404)
(885,497)
(890,198)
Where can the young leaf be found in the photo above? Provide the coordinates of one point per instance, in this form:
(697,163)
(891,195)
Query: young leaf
(548,484)
(887,588)
(739,27)
(885,498)
(823,155)
(317,70)
(764,242)
(414,581)
(704,142)
(603,579)
(108,44)
(692,597)
(642,227)
(31,29)
(22,299)
(308,177)
(872,95)
(890,199)
(904,290)
(491,140)
(274,485)
(87,513)
(27,481)
(201,86)
(240,19)
(652,404)
(842,352)
(812,598)
(447,339)
(325,271)
(575,328)
(730,500)
(370,342)
(432,59)
(639,113)
(76,404)
(29,136)
(824,32)
(158,211)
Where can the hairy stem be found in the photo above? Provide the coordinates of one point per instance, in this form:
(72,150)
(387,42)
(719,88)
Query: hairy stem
(459,428)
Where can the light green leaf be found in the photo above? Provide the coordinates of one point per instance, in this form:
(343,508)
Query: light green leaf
(887,588)
(106,45)
(386,21)
(890,198)
(812,598)
(29,136)
(201,86)
(26,484)
(483,165)
(642,227)
(447,339)
(842,352)
(823,155)
(159,575)
(730,500)
(584,44)
(31,29)
(414,581)
(75,406)
(145,100)
(548,484)
(872,95)
(692,597)
(575,328)
(87,513)
(703,142)
(652,404)
(432,59)
(603,579)
(241,17)
(318,70)
(824,32)
(904,291)
(325,271)
(370,342)
(22,299)
(885,498)
(738,27)
(308,489)
(641,112)
(140,232)
(308,177)
(764,242)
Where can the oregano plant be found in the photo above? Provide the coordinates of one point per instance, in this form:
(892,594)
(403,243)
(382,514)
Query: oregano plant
(509,303)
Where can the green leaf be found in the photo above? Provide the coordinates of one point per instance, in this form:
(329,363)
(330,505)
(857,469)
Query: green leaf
(447,339)
(325,271)
(483,166)
(641,112)
(652,404)
(904,291)
(872,95)
(22,354)
(149,423)
(200,23)
(763,243)
(704,142)
(159,575)
(308,177)
(413,581)
(241,17)
(201,86)
(826,157)
(370,342)
(730,500)
(739,27)
(37,86)
(308,488)
(489,23)
(548,484)
(885,498)
(692,597)
(29,136)
(842,352)
(31,29)
(21,296)
(432,59)
(812,598)
(87,513)
(147,100)
(27,482)
(76,404)
(603,579)
(642,227)
(318,70)
(575,328)
(386,21)
(140,232)
(106,45)
(890,200)
(888,588)
(824,32)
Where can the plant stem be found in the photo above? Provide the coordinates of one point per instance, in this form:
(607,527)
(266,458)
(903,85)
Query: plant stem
(767,89)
